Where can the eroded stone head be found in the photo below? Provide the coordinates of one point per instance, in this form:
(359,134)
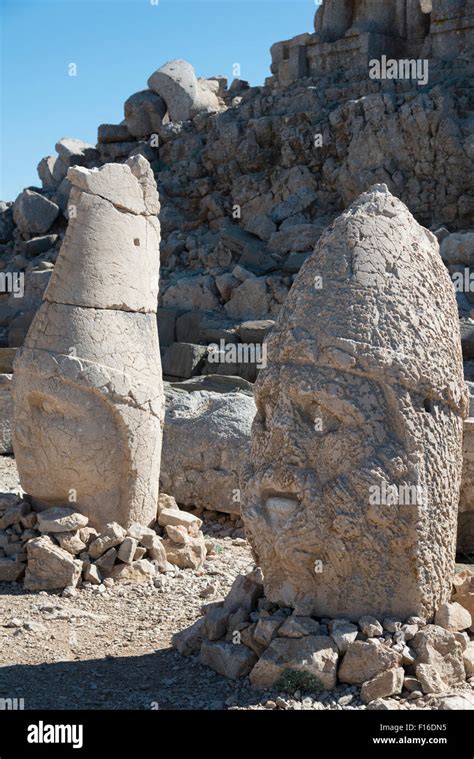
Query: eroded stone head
(87,386)
(352,498)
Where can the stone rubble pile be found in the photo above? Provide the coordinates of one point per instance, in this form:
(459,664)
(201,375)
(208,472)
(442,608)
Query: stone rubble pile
(56,549)
(389,659)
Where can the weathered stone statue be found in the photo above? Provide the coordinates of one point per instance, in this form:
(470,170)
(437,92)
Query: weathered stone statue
(394,18)
(351,500)
(87,384)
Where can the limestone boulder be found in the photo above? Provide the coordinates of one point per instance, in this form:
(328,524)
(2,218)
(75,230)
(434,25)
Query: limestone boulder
(144,112)
(34,213)
(336,497)
(206,446)
(453,617)
(232,661)
(49,566)
(389,683)
(309,662)
(365,660)
(439,659)
(138,572)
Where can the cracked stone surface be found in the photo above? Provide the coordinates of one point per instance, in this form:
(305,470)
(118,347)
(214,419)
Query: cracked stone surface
(88,393)
(363,397)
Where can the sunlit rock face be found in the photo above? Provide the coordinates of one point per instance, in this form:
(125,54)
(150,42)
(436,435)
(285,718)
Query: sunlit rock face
(88,393)
(351,500)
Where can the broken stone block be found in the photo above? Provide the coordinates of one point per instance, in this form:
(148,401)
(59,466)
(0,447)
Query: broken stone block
(144,112)
(453,617)
(6,413)
(13,514)
(228,659)
(106,561)
(216,623)
(292,663)
(389,683)
(60,519)
(189,556)
(34,213)
(127,550)
(91,574)
(468,659)
(140,572)
(266,629)
(439,659)
(298,627)
(49,567)
(343,634)
(178,534)
(365,660)
(370,627)
(188,641)
(184,360)
(245,592)
(177,84)
(175,517)
(112,536)
(70,542)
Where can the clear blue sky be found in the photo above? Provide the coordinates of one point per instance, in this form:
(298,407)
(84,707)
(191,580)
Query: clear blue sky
(116,45)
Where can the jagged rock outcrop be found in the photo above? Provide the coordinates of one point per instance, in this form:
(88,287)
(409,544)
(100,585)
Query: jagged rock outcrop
(351,498)
(87,383)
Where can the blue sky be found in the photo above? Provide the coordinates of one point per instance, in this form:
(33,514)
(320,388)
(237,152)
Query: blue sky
(116,45)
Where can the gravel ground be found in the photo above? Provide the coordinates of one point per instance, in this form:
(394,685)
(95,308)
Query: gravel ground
(112,650)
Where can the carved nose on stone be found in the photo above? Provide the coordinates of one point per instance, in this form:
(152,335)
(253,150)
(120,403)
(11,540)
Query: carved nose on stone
(279,510)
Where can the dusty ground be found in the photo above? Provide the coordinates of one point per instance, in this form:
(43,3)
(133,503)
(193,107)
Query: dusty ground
(112,650)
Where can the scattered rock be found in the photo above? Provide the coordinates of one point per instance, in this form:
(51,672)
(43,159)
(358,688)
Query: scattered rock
(309,663)
(49,567)
(388,683)
(232,661)
(365,660)
(453,617)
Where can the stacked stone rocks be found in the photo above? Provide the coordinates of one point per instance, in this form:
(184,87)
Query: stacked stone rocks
(393,661)
(57,549)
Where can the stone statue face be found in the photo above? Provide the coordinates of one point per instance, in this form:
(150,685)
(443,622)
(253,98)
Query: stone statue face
(331,452)
(350,500)
(70,431)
